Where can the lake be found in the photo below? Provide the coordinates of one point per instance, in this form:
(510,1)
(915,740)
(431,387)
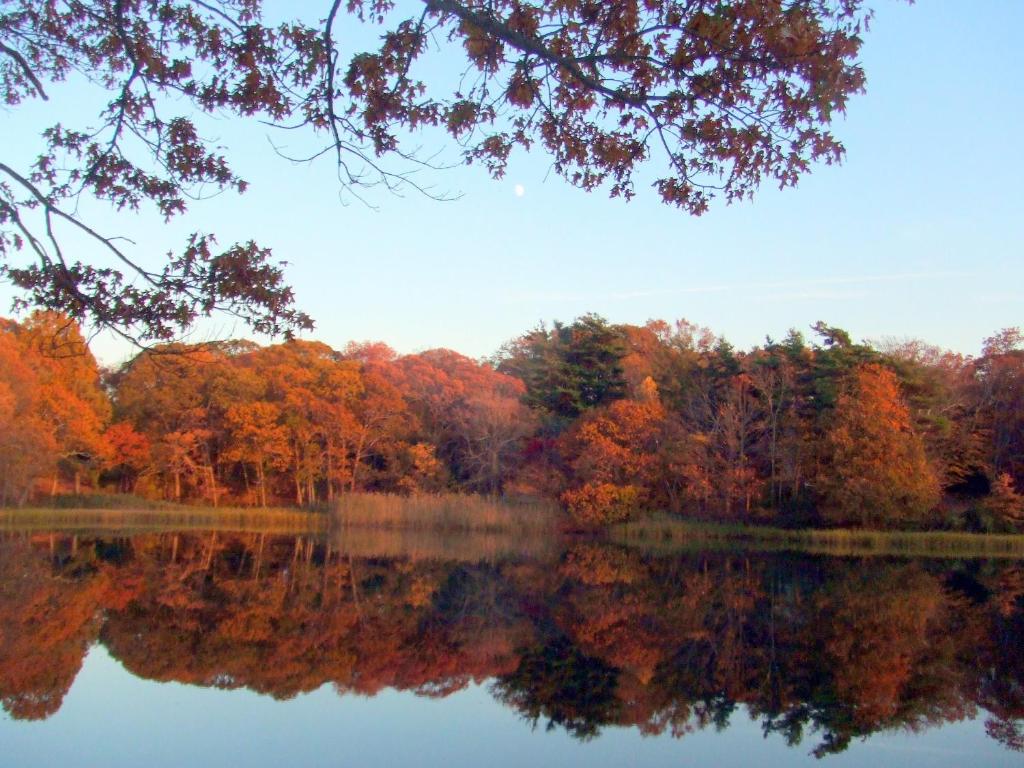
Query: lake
(374,648)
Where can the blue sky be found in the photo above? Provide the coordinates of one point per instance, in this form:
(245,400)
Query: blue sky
(920,233)
(169,724)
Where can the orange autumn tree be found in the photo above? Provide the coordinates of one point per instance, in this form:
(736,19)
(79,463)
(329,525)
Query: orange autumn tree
(129,455)
(788,434)
(28,448)
(1005,504)
(381,422)
(71,399)
(999,401)
(472,413)
(876,471)
(612,456)
(52,407)
(257,440)
(165,395)
(314,391)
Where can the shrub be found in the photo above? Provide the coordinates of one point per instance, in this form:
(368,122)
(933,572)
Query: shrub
(596,504)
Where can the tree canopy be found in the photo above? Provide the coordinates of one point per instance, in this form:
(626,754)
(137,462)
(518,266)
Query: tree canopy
(612,421)
(700,99)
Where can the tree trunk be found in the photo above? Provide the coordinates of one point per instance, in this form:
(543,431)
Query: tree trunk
(330,471)
(297,453)
(245,480)
(495,482)
(213,483)
(356,459)
(261,478)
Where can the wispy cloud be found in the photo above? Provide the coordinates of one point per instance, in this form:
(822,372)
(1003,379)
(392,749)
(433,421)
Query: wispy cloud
(776,297)
(802,288)
(1000,298)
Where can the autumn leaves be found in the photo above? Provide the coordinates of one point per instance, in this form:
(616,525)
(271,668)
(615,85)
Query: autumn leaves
(611,420)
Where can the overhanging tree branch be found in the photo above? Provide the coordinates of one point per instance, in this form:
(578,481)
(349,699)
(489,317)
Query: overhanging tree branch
(714,97)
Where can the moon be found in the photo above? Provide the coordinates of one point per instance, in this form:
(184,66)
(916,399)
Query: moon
(520,190)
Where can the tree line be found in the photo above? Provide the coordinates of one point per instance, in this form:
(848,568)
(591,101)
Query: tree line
(611,420)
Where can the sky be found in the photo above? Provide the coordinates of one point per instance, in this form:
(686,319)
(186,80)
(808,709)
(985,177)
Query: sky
(918,234)
(170,724)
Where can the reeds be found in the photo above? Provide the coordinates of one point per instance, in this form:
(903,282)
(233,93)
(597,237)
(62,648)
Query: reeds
(664,533)
(443,512)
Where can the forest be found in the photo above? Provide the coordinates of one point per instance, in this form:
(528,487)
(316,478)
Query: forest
(611,421)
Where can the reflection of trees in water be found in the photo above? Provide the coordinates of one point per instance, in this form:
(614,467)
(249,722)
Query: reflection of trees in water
(1001,663)
(558,682)
(49,608)
(596,636)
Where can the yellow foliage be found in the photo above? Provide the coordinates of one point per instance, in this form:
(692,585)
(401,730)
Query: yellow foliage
(602,503)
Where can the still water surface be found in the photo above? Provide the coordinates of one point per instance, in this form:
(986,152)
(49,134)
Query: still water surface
(252,649)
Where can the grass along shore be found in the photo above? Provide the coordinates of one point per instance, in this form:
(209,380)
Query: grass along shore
(439,514)
(662,533)
(376,522)
(161,518)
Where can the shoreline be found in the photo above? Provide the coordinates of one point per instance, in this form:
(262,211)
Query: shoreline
(81,519)
(658,534)
(667,534)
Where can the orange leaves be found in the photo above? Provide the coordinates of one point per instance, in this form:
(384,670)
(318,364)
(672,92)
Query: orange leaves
(876,631)
(461,117)
(596,565)
(483,50)
(612,452)
(128,453)
(472,413)
(718,97)
(1006,504)
(615,444)
(521,90)
(611,419)
(52,409)
(595,636)
(711,29)
(877,472)
(126,445)
(257,438)
(597,504)
(767,77)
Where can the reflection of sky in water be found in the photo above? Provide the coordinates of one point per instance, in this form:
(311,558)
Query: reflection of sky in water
(111,718)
